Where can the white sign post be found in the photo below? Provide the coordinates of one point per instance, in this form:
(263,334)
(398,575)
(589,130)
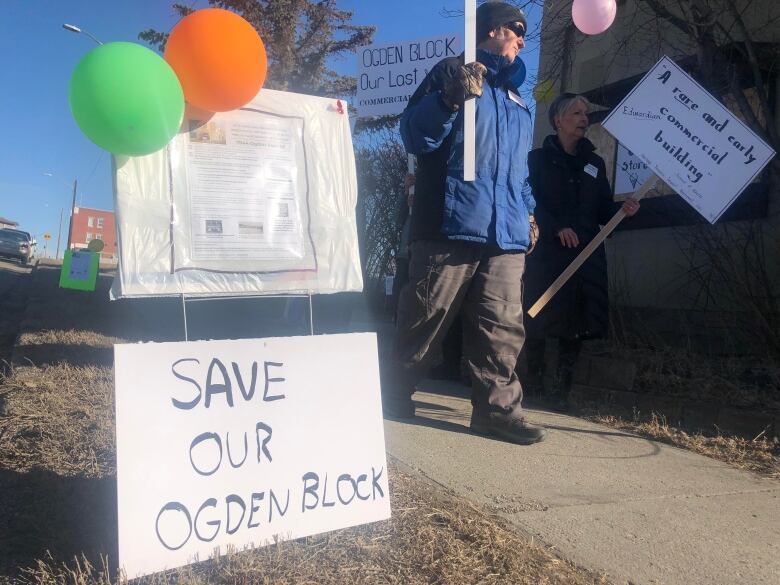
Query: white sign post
(470,106)
(388,74)
(689,139)
(241,443)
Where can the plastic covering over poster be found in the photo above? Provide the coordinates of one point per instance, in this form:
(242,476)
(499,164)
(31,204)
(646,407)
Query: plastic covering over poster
(259,200)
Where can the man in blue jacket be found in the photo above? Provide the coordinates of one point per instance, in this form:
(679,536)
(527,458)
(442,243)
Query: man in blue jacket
(469,238)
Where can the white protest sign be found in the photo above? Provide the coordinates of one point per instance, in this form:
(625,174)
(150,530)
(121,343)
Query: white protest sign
(630,171)
(689,139)
(239,443)
(388,74)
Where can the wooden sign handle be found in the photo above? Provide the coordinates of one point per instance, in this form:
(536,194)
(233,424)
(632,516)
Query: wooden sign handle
(646,187)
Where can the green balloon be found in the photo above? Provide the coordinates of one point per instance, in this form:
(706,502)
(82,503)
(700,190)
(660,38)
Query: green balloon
(126,99)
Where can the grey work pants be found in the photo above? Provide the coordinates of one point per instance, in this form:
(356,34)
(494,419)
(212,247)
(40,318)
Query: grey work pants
(486,283)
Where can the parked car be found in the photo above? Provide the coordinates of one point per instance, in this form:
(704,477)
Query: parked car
(17,244)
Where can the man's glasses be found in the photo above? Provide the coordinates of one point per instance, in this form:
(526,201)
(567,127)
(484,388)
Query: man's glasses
(516,27)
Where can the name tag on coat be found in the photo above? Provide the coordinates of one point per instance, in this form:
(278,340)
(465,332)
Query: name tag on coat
(591,170)
(516,98)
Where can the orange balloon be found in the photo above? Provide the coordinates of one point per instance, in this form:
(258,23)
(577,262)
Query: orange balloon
(219,58)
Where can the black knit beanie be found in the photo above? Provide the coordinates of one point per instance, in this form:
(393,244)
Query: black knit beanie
(491,15)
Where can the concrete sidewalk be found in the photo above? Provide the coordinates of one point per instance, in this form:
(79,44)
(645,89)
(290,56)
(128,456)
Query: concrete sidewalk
(641,511)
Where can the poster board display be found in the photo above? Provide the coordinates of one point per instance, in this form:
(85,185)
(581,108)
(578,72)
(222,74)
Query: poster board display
(689,139)
(259,200)
(242,443)
(79,270)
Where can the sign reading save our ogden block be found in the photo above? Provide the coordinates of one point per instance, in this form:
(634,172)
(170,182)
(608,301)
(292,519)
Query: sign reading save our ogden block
(241,443)
(388,74)
(689,139)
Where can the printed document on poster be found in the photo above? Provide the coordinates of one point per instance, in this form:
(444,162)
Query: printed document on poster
(243,174)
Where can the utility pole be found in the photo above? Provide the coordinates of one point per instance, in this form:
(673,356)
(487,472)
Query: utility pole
(59,235)
(72,213)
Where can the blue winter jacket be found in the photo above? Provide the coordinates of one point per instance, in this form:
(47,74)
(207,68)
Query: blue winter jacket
(494,208)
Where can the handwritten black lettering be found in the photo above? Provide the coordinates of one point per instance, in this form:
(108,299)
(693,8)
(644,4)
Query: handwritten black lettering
(194,402)
(209,503)
(274,503)
(268,381)
(240,381)
(173,507)
(311,481)
(230,456)
(214,388)
(375,482)
(237,500)
(353,485)
(361,479)
(197,441)
(260,426)
(256,497)
(326,504)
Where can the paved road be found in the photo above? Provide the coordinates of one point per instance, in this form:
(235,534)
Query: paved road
(644,512)
(13,300)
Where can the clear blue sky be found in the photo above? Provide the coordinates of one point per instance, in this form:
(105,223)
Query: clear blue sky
(38,56)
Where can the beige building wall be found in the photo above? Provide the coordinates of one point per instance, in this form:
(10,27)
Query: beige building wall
(648,267)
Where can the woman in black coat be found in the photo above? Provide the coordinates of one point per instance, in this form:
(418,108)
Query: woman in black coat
(573,199)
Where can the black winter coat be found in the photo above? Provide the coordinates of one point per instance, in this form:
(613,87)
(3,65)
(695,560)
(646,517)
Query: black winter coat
(570,191)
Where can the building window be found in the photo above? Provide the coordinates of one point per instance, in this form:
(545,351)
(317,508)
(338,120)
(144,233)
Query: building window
(99,236)
(89,237)
(100,222)
(91,222)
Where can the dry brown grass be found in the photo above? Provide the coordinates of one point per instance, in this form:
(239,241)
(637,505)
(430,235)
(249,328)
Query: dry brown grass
(66,337)
(58,490)
(58,418)
(736,380)
(432,538)
(759,455)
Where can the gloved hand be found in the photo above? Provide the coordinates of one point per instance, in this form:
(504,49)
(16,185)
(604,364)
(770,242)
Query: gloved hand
(533,233)
(465,84)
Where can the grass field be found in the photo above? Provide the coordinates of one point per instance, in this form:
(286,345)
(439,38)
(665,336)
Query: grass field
(58,477)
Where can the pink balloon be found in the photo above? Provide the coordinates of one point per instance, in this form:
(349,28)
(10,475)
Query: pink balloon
(593,16)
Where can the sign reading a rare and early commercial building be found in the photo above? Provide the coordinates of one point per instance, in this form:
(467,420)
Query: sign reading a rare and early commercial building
(689,139)
(388,74)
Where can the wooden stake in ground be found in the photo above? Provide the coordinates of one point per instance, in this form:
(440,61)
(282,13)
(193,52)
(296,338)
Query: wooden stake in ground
(646,187)
(470,105)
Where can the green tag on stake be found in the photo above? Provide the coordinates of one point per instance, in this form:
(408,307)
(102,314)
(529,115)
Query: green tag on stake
(79,270)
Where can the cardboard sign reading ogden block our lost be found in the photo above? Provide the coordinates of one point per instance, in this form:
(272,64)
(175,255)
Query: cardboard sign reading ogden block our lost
(240,443)
(388,74)
(689,139)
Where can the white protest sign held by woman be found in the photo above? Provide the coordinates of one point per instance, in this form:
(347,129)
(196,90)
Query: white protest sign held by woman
(689,139)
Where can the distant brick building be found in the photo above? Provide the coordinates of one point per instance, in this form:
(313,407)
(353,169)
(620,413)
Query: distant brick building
(94,224)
